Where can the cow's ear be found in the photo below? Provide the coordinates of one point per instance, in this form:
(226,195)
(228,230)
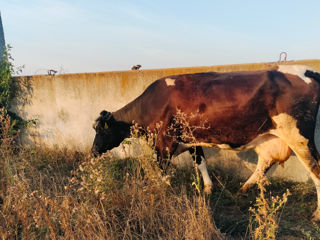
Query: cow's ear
(105,115)
(107,119)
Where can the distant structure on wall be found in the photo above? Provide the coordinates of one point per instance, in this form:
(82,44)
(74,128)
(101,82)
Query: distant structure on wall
(2,42)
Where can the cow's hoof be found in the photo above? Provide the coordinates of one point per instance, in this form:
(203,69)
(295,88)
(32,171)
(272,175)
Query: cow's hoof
(240,194)
(316,216)
(244,189)
(207,189)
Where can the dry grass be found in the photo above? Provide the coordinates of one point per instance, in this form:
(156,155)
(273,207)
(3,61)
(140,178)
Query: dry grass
(62,194)
(104,199)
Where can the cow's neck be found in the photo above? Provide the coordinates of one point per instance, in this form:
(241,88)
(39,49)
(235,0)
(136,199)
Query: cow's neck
(129,113)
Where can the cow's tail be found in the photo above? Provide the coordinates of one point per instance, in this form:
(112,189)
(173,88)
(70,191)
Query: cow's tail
(316,76)
(312,74)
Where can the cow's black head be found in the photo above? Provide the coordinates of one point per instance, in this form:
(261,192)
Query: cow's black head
(109,133)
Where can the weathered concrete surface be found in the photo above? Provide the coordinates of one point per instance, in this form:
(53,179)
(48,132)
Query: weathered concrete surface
(65,105)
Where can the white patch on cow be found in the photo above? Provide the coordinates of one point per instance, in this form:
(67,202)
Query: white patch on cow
(224,146)
(205,175)
(298,70)
(288,131)
(170,82)
(199,144)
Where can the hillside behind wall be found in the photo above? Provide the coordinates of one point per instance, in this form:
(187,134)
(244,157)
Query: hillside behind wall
(65,105)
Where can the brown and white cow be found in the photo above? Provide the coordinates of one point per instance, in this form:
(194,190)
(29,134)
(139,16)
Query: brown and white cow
(273,112)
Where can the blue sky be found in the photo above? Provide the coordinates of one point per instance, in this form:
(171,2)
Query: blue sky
(93,36)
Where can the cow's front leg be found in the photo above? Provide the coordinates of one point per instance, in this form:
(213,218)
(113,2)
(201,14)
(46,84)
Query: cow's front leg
(198,156)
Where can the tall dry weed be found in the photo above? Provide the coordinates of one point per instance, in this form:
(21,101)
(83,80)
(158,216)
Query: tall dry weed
(266,213)
(184,128)
(60,194)
(6,148)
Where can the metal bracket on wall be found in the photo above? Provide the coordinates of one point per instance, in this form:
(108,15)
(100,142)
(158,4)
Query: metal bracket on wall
(280,57)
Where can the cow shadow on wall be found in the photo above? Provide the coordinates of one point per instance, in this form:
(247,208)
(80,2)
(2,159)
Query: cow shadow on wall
(242,163)
(22,96)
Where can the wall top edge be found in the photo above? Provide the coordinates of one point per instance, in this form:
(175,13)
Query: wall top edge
(223,66)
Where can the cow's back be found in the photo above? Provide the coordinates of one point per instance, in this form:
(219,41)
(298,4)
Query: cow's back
(238,106)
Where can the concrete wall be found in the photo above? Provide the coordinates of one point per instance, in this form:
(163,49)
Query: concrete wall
(65,105)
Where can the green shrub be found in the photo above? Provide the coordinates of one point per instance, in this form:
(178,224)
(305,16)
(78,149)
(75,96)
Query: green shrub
(8,91)
(6,82)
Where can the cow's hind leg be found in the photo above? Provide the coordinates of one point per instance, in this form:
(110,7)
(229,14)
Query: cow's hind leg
(270,151)
(198,156)
(307,160)
(305,157)
(303,147)
(263,166)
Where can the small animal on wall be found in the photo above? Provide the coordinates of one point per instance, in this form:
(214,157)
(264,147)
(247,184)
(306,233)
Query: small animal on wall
(272,111)
(52,72)
(136,67)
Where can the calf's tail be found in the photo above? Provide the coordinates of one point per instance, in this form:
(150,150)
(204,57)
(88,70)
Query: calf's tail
(314,75)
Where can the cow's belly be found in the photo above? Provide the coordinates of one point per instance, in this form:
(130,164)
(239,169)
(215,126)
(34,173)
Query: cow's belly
(235,127)
(258,140)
